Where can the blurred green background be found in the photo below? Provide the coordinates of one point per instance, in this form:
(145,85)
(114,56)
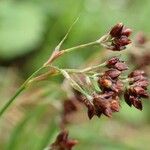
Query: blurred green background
(29,31)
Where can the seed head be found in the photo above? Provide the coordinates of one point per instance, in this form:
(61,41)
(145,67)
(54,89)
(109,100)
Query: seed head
(119,37)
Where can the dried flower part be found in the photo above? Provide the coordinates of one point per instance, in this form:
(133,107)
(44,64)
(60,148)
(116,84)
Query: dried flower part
(132,100)
(137,78)
(121,66)
(117,87)
(115,63)
(63,142)
(112,61)
(91,110)
(137,89)
(113,73)
(119,37)
(103,103)
(106,106)
(105,82)
(126,32)
(116,30)
(136,73)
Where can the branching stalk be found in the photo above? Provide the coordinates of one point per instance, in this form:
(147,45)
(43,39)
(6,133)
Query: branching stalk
(55,55)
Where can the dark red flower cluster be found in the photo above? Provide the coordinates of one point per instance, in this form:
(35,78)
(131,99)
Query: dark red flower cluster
(62,142)
(137,89)
(107,101)
(110,83)
(119,37)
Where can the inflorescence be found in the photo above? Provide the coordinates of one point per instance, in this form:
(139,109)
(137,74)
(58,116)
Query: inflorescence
(104,89)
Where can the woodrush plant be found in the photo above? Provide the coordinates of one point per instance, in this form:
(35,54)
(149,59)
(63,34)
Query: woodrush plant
(99,87)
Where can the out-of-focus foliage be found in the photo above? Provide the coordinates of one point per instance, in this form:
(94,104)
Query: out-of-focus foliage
(29,30)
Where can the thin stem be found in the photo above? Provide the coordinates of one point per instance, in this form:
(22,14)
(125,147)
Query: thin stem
(57,53)
(75,84)
(12,99)
(21,88)
(99,41)
(78,47)
(85,70)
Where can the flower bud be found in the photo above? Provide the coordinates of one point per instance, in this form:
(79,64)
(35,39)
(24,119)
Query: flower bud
(62,142)
(105,82)
(126,32)
(112,61)
(116,30)
(113,73)
(136,73)
(121,66)
(122,41)
(115,106)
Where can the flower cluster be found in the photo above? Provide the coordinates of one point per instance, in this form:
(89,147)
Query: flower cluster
(137,89)
(63,142)
(99,91)
(119,37)
(107,101)
(110,82)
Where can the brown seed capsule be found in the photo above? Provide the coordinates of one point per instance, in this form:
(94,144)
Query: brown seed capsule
(116,64)
(142,84)
(116,30)
(122,41)
(105,82)
(136,73)
(121,66)
(113,73)
(63,142)
(126,32)
(102,105)
(126,97)
(136,102)
(137,78)
(139,91)
(115,105)
(91,111)
(117,87)
(106,106)
(112,61)
(120,37)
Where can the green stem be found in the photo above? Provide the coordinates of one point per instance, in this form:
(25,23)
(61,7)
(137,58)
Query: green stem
(79,46)
(21,88)
(85,69)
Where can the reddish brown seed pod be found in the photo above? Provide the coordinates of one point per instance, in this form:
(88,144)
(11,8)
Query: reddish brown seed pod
(63,142)
(105,82)
(115,106)
(113,73)
(121,66)
(126,31)
(112,61)
(116,30)
(119,37)
(136,73)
